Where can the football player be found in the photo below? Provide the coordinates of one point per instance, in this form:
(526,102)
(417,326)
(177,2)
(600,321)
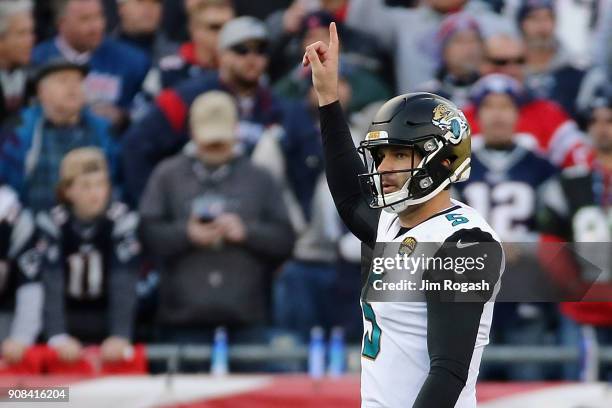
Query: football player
(423,353)
(91,262)
(21,293)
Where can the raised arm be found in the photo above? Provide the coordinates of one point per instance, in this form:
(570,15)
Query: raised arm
(342,163)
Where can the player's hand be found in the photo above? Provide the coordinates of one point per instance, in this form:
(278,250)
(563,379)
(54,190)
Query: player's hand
(234,230)
(204,234)
(69,350)
(115,349)
(323,60)
(13,351)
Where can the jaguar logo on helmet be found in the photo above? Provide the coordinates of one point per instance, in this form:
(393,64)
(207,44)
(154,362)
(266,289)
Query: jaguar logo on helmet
(450,120)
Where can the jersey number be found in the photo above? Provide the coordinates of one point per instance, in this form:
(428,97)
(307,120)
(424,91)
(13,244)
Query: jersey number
(507,205)
(85,275)
(371,339)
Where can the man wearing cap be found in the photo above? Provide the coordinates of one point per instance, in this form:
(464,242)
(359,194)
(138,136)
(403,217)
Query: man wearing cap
(551,72)
(460,48)
(117,69)
(242,64)
(59,122)
(16,42)
(506,174)
(216,222)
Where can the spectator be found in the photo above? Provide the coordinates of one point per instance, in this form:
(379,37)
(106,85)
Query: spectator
(44,13)
(504,179)
(408,33)
(91,262)
(291,29)
(218,223)
(551,129)
(139,26)
(304,293)
(117,69)
(16,42)
(33,150)
(21,293)
(577,209)
(367,87)
(504,54)
(199,55)
(503,162)
(551,72)
(461,51)
(176,12)
(242,64)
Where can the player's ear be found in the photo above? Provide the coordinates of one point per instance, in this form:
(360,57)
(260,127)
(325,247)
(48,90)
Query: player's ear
(446,163)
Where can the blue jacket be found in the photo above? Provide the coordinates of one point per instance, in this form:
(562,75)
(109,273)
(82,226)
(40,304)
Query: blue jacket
(18,143)
(117,70)
(164,130)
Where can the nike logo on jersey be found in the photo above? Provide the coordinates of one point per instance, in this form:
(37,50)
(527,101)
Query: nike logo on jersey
(461,245)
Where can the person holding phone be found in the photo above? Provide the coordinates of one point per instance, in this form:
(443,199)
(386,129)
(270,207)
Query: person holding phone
(218,225)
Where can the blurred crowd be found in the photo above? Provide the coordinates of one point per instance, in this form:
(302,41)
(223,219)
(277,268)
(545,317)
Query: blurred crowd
(161,169)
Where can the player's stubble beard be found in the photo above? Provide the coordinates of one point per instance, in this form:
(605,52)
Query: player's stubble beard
(412,209)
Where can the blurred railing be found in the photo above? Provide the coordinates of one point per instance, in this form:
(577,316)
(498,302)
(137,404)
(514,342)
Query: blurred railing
(589,359)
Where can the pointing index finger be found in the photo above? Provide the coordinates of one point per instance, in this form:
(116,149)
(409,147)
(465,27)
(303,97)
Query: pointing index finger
(333,36)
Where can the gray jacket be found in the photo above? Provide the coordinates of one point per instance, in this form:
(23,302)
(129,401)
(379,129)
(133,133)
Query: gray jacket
(222,285)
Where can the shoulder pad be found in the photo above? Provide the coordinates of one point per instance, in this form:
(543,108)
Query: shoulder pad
(116,210)
(9,205)
(60,215)
(22,232)
(554,197)
(171,62)
(47,224)
(126,225)
(579,170)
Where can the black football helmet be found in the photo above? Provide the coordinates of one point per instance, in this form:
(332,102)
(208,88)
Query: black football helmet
(435,128)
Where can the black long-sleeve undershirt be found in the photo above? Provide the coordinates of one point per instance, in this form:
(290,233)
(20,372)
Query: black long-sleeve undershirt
(452,327)
(342,166)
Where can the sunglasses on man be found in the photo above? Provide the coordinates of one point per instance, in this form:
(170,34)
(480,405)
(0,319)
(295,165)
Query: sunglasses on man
(245,49)
(214,26)
(500,62)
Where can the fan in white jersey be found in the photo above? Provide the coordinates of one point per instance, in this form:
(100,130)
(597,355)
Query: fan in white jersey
(421,348)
